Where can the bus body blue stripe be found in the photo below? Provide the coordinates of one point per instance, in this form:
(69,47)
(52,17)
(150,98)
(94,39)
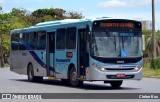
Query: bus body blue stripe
(34,55)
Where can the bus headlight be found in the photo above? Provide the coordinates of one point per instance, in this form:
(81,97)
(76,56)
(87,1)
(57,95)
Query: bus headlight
(137,68)
(99,68)
(102,69)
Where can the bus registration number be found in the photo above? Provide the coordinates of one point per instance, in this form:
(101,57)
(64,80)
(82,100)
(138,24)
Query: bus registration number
(120,75)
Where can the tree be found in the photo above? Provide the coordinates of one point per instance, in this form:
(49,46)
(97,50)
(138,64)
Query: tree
(19,18)
(19,12)
(148,41)
(148,45)
(52,14)
(4,33)
(74,15)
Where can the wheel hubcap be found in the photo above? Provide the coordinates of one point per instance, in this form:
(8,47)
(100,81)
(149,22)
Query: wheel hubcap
(74,78)
(30,74)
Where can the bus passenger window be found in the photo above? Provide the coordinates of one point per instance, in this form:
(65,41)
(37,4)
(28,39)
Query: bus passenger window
(32,40)
(41,43)
(52,42)
(60,39)
(26,40)
(71,38)
(22,44)
(14,41)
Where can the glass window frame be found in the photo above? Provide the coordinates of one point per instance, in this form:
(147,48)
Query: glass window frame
(68,41)
(24,40)
(37,43)
(61,42)
(35,46)
(13,36)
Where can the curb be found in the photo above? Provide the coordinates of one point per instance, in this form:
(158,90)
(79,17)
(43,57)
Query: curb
(151,77)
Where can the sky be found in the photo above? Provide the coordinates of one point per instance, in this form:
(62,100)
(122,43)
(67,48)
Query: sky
(132,9)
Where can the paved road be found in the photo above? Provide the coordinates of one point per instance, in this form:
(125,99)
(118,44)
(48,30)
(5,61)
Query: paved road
(12,82)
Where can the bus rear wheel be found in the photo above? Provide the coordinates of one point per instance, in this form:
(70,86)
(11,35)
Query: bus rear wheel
(73,78)
(116,84)
(31,76)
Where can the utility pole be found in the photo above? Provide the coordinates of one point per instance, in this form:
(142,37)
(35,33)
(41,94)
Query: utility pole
(153,31)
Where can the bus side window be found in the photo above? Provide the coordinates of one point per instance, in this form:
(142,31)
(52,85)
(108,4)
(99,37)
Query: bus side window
(71,38)
(52,42)
(14,41)
(32,40)
(41,43)
(60,39)
(22,45)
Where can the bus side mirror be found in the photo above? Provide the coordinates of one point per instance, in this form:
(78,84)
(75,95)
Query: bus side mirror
(143,42)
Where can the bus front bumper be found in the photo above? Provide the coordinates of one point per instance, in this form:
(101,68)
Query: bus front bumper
(94,74)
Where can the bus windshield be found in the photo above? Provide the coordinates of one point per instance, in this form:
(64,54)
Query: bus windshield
(116,44)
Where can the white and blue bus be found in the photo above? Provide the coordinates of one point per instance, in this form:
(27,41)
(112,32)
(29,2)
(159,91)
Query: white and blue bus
(77,50)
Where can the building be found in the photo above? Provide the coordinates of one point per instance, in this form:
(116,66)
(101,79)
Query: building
(146,25)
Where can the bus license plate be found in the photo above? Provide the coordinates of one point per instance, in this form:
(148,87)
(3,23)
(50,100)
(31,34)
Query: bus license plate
(121,75)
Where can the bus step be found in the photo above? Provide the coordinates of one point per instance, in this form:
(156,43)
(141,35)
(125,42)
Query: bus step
(81,79)
(51,78)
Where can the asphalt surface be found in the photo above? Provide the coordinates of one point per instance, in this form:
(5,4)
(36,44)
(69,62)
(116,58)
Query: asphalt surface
(11,82)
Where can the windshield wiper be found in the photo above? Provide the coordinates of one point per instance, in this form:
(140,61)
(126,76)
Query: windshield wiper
(115,42)
(107,34)
(122,42)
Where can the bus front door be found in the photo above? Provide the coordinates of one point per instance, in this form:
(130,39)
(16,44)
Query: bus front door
(83,58)
(50,53)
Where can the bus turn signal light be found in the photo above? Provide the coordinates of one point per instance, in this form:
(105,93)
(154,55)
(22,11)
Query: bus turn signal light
(69,54)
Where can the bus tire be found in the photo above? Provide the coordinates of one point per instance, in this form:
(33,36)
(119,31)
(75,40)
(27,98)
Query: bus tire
(31,76)
(30,73)
(73,81)
(116,84)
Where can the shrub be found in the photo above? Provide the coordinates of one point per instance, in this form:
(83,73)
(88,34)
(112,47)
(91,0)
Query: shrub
(155,63)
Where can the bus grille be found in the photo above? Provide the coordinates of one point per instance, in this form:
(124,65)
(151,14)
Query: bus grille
(119,68)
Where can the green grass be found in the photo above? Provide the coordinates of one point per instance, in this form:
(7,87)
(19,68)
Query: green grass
(148,72)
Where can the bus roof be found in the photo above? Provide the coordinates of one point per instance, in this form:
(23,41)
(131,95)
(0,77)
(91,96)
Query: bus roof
(53,23)
(65,21)
(68,21)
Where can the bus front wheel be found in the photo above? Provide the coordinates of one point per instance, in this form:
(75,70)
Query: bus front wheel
(116,84)
(73,78)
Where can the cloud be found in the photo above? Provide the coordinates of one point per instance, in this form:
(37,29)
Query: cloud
(18,1)
(112,3)
(2,1)
(41,1)
(125,3)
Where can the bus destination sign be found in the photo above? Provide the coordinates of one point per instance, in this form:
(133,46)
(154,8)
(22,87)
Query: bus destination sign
(117,24)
